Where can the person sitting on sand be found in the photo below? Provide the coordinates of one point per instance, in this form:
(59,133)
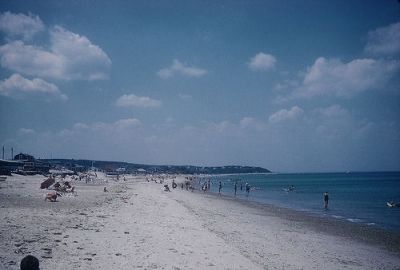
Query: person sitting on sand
(52,196)
(166,188)
(29,263)
(57,186)
(70,190)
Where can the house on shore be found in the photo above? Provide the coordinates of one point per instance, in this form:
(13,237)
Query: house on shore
(31,165)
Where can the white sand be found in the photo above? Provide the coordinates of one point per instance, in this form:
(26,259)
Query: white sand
(136,225)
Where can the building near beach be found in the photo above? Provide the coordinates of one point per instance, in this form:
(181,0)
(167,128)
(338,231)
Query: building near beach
(30,165)
(9,166)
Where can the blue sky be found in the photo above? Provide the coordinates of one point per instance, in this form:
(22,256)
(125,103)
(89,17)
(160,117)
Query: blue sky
(288,85)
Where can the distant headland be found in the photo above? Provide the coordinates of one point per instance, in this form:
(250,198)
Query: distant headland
(133,167)
(30,165)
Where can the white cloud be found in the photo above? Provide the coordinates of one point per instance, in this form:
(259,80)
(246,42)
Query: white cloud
(333,77)
(20,25)
(333,111)
(80,126)
(17,86)
(251,123)
(31,60)
(384,40)
(135,101)
(123,124)
(104,128)
(82,59)
(71,57)
(178,68)
(262,61)
(284,115)
(26,131)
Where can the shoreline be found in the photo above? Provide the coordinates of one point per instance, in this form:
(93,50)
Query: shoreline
(358,209)
(137,225)
(374,235)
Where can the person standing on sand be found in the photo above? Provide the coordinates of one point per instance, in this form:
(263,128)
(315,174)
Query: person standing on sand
(235,188)
(220,187)
(247,189)
(326,200)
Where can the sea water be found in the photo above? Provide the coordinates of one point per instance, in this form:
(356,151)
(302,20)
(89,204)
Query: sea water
(355,197)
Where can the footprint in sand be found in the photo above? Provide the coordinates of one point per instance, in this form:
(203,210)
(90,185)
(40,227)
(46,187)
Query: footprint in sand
(47,249)
(46,257)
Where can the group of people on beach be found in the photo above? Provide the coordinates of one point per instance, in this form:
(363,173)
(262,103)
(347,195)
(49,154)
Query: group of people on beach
(207,185)
(247,186)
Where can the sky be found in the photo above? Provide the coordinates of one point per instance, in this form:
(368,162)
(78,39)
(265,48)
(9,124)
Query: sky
(292,86)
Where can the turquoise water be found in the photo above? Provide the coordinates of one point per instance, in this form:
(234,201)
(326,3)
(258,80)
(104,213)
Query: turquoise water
(355,197)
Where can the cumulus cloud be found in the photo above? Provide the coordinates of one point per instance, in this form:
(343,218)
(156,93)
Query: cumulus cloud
(71,57)
(332,111)
(20,25)
(31,60)
(104,128)
(123,124)
(178,68)
(26,131)
(335,78)
(251,123)
(17,86)
(135,101)
(82,59)
(384,41)
(262,61)
(285,115)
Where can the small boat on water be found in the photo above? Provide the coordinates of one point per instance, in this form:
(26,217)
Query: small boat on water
(391,204)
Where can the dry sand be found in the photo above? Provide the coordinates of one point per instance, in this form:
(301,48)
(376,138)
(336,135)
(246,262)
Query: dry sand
(137,225)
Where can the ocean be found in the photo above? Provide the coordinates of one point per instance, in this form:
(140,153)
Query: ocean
(355,197)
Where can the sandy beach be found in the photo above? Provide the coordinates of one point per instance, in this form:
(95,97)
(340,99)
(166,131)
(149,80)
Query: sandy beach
(137,225)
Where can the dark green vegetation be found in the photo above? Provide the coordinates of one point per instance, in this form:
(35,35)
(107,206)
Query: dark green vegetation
(81,165)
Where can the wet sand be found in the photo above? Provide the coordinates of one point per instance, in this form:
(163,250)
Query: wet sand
(137,225)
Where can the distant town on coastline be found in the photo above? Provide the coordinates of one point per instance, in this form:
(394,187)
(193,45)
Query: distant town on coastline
(28,164)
